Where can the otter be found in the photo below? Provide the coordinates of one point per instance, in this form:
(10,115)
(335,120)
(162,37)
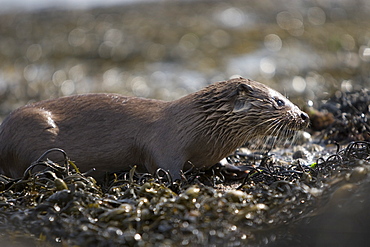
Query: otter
(111,132)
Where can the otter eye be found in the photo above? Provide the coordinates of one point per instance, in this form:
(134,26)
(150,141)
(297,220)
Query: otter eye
(279,102)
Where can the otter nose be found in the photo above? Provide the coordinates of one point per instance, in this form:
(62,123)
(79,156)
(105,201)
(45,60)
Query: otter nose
(304,116)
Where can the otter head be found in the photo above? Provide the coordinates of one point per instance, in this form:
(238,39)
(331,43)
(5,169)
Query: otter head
(267,112)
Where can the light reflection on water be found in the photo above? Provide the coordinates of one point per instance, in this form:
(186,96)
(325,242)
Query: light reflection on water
(168,49)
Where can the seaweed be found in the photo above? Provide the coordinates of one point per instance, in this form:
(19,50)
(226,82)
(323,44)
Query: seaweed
(350,117)
(61,205)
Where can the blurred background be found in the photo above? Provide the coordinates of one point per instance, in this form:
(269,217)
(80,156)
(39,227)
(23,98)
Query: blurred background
(305,49)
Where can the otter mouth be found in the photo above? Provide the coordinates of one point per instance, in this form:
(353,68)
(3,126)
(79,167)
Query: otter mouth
(282,133)
(298,127)
(283,129)
(297,123)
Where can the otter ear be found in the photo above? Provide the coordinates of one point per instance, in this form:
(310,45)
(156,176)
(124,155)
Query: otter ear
(244,89)
(241,105)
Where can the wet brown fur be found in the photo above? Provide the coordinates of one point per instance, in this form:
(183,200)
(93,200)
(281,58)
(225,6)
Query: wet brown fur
(112,132)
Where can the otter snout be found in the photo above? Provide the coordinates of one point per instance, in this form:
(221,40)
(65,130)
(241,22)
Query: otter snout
(301,118)
(304,116)
(305,119)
